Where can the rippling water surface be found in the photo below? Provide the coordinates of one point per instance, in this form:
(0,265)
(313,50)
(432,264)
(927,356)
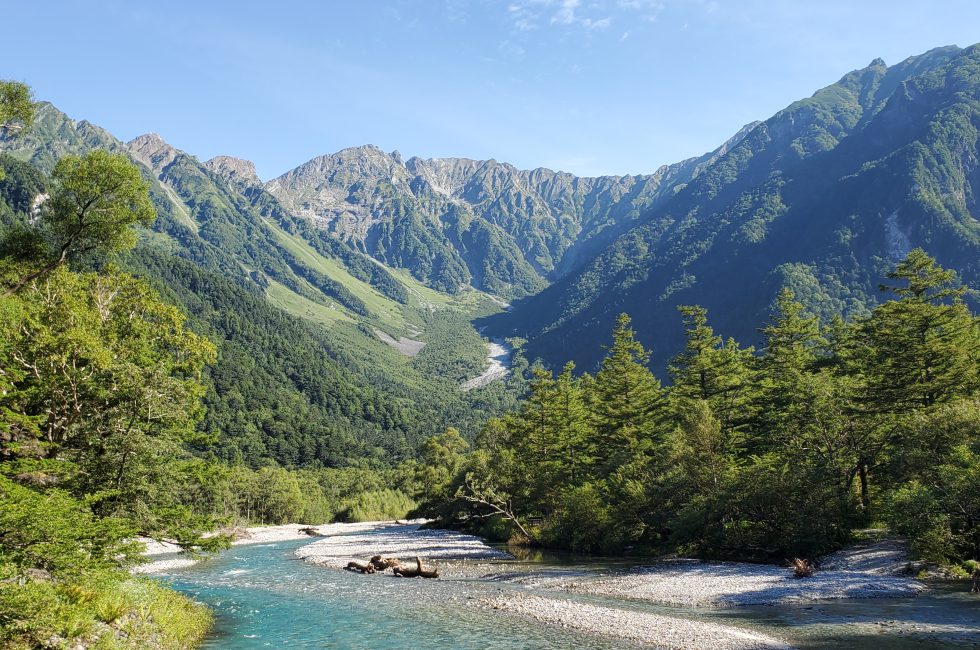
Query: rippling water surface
(265,598)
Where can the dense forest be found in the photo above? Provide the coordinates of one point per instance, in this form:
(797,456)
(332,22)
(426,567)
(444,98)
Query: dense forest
(109,426)
(301,377)
(752,454)
(823,198)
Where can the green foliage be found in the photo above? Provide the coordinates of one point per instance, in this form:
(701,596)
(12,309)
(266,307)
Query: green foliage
(624,397)
(582,521)
(942,518)
(93,203)
(821,198)
(17,108)
(108,610)
(51,530)
(765,456)
(380,505)
(104,388)
(99,392)
(440,460)
(95,200)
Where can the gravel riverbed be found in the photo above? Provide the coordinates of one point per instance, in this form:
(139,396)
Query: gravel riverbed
(696,584)
(668,632)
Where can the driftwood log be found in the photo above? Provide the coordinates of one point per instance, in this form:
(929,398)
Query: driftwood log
(384,563)
(417,572)
(801,568)
(360,567)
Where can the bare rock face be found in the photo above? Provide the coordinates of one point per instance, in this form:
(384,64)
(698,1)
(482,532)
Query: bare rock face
(456,220)
(153,151)
(234,170)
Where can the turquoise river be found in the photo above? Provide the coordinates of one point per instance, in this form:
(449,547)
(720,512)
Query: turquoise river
(264,597)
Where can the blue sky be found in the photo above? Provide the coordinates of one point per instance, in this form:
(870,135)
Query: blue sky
(587,86)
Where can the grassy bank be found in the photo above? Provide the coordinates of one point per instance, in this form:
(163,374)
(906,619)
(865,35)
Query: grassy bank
(108,610)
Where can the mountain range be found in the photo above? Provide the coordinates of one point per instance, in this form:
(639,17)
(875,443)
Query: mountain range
(346,295)
(823,197)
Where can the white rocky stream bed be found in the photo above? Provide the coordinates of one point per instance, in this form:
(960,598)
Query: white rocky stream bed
(498,365)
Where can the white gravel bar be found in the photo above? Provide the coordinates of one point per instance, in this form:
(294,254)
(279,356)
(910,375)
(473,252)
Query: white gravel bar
(644,628)
(696,584)
(254,535)
(404,542)
(888,556)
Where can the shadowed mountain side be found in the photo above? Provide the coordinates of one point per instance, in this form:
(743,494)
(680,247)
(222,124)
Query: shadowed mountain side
(823,197)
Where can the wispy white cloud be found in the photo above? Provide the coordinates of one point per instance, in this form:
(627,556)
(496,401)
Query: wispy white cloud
(511,50)
(601,23)
(523,16)
(565,13)
(647,10)
(527,15)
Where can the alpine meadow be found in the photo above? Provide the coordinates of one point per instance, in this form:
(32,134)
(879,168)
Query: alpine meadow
(732,402)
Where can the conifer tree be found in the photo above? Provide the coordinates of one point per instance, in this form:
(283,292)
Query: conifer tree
(575,446)
(626,398)
(782,404)
(713,370)
(910,356)
(922,349)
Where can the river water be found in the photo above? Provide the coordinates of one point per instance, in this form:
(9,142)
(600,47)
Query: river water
(264,597)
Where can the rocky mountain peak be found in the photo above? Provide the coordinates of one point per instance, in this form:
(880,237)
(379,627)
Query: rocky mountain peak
(234,170)
(152,150)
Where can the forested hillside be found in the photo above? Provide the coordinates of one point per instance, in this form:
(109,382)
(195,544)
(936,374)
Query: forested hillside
(822,198)
(765,454)
(302,374)
(301,281)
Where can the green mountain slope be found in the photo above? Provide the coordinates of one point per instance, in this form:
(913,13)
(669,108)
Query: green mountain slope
(452,221)
(303,374)
(823,197)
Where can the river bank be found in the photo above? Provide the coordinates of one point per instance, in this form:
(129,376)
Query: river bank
(252,535)
(681,603)
(602,603)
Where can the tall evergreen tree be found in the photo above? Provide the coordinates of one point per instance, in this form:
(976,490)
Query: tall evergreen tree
(712,370)
(626,399)
(782,405)
(576,444)
(910,356)
(921,349)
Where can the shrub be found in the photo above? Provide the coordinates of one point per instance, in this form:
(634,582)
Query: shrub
(581,523)
(915,512)
(377,505)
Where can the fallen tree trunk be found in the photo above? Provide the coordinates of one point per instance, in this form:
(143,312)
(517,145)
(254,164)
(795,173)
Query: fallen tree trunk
(417,572)
(383,563)
(360,567)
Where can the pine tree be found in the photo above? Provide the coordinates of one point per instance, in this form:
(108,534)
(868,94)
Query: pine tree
(710,369)
(783,405)
(575,446)
(910,356)
(921,349)
(626,399)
